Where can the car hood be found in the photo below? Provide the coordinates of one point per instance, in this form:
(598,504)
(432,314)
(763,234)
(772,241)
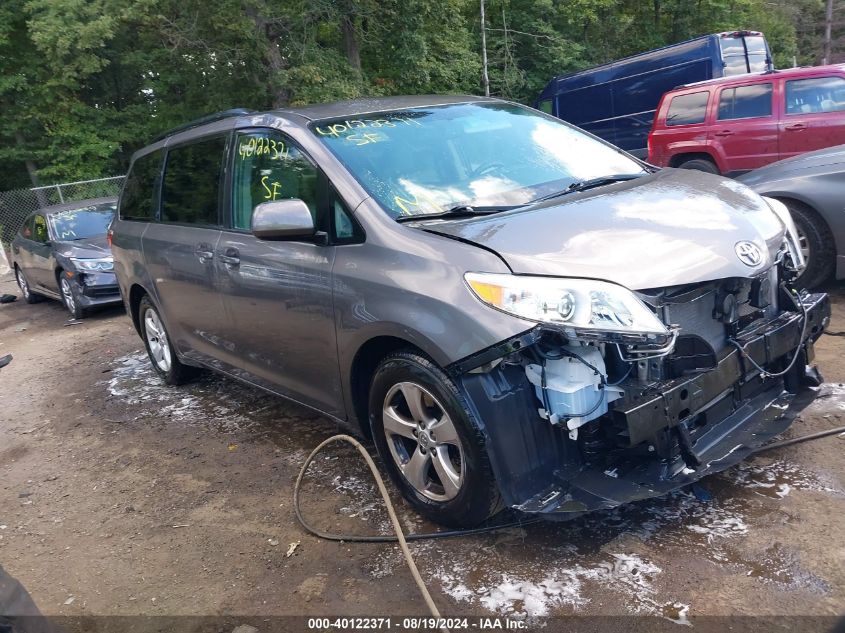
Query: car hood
(795,165)
(86,248)
(665,229)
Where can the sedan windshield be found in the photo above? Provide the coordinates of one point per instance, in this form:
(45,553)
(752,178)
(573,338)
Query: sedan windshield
(85,222)
(422,161)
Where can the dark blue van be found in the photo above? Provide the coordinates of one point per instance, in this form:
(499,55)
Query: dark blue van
(616,101)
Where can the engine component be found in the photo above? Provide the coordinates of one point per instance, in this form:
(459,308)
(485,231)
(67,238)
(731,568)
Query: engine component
(573,389)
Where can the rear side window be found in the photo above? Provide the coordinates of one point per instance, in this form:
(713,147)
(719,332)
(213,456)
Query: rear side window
(687,109)
(746,102)
(138,198)
(545,106)
(190,192)
(819,94)
(26,229)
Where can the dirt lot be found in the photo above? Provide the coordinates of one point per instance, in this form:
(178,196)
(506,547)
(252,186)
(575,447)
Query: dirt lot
(120,496)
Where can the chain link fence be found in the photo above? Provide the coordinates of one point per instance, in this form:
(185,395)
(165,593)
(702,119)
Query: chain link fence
(16,204)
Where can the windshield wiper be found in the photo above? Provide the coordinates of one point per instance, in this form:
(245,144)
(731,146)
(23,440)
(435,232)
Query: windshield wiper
(459,211)
(583,185)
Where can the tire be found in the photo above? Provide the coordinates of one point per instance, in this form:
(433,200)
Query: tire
(816,241)
(701,164)
(421,457)
(23,284)
(159,348)
(70,296)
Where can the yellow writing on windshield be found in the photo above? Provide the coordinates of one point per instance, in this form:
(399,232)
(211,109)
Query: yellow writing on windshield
(338,129)
(416,204)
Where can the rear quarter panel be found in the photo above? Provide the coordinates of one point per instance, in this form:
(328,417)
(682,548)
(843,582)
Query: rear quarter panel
(129,265)
(670,141)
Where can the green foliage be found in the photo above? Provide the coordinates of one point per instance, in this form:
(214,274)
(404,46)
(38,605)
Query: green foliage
(83,83)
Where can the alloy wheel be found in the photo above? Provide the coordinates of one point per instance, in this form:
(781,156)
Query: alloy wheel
(157,340)
(67,294)
(22,284)
(423,441)
(803,243)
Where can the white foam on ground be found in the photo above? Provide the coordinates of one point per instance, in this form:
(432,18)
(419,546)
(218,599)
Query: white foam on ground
(779,477)
(214,400)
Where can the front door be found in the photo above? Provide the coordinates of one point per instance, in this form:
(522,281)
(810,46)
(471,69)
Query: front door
(41,273)
(746,129)
(180,249)
(814,115)
(278,294)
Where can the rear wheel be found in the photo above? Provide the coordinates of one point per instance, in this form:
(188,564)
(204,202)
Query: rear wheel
(432,450)
(816,243)
(159,348)
(23,284)
(701,164)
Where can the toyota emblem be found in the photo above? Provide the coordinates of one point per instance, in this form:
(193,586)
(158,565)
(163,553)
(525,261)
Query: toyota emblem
(748,253)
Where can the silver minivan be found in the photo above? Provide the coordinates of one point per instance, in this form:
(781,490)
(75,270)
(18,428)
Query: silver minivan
(517,313)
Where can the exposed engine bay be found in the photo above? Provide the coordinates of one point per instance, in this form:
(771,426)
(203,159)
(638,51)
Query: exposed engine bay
(576,422)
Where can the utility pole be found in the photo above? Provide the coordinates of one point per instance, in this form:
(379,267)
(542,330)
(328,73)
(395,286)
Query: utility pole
(485,78)
(828,24)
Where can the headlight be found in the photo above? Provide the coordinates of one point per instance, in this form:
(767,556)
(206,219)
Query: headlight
(102,265)
(584,308)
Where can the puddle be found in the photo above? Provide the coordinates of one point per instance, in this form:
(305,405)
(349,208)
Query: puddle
(611,560)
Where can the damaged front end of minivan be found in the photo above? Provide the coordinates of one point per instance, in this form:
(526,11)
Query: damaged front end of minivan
(685,382)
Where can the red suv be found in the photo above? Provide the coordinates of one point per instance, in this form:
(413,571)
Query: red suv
(735,124)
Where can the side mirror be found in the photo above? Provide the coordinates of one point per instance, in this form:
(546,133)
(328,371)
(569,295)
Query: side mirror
(282,220)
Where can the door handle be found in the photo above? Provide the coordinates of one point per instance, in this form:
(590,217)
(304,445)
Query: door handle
(723,133)
(230,257)
(796,127)
(203,252)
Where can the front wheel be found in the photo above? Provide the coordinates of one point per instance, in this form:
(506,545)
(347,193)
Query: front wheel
(70,297)
(159,348)
(432,450)
(816,243)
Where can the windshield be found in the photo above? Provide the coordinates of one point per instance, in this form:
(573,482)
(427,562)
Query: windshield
(429,160)
(76,224)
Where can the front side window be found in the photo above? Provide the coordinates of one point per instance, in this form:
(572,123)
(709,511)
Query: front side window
(192,180)
(268,167)
(812,96)
(137,200)
(77,224)
(688,109)
(745,102)
(429,159)
(39,229)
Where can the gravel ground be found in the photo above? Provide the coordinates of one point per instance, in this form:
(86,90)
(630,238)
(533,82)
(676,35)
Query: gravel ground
(121,496)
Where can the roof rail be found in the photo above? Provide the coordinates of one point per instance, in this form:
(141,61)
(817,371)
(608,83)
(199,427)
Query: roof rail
(211,118)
